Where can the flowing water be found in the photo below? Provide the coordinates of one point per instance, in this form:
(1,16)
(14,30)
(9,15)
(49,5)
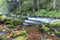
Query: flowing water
(37,20)
(1,33)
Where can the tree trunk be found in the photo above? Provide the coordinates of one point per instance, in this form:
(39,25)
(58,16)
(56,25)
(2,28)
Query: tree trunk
(54,4)
(20,6)
(38,4)
(32,1)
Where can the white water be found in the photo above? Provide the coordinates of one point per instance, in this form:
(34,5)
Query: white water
(37,20)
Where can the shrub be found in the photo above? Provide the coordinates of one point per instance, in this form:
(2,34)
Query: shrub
(17,22)
(42,11)
(44,23)
(9,21)
(20,38)
(3,38)
(14,35)
(57,33)
(55,23)
(44,29)
(2,19)
(22,32)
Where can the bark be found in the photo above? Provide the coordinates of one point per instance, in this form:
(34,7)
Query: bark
(54,4)
(32,1)
(38,4)
(20,6)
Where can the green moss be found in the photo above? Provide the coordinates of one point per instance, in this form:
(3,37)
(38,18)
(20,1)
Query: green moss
(4,38)
(2,19)
(17,22)
(55,24)
(57,33)
(10,26)
(22,32)
(14,35)
(20,38)
(45,29)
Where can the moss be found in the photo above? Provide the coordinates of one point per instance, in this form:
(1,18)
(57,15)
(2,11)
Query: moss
(10,26)
(44,29)
(55,24)
(4,38)
(22,32)
(20,38)
(14,35)
(2,19)
(17,22)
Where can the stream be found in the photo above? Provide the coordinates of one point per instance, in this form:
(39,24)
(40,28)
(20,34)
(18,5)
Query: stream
(37,20)
(1,33)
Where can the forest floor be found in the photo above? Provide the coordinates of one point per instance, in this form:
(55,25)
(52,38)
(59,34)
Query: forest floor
(33,33)
(8,33)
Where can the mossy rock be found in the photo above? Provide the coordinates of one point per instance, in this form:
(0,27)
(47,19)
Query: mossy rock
(20,38)
(17,22)
(10,26)
(2,19)
(22,32)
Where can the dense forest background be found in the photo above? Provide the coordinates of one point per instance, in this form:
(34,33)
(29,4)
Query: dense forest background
(31,7)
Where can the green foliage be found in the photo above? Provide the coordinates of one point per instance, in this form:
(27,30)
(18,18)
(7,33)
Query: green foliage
(22,32)
(10,26)
(14,35)
(20,38)
(0,37)
(45,29)
(55,24)
(57,33)
(41,12)
(48,13)
(3,38)
(17,22)
(10,22)
(2,19)
(44,23)
(7,20)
